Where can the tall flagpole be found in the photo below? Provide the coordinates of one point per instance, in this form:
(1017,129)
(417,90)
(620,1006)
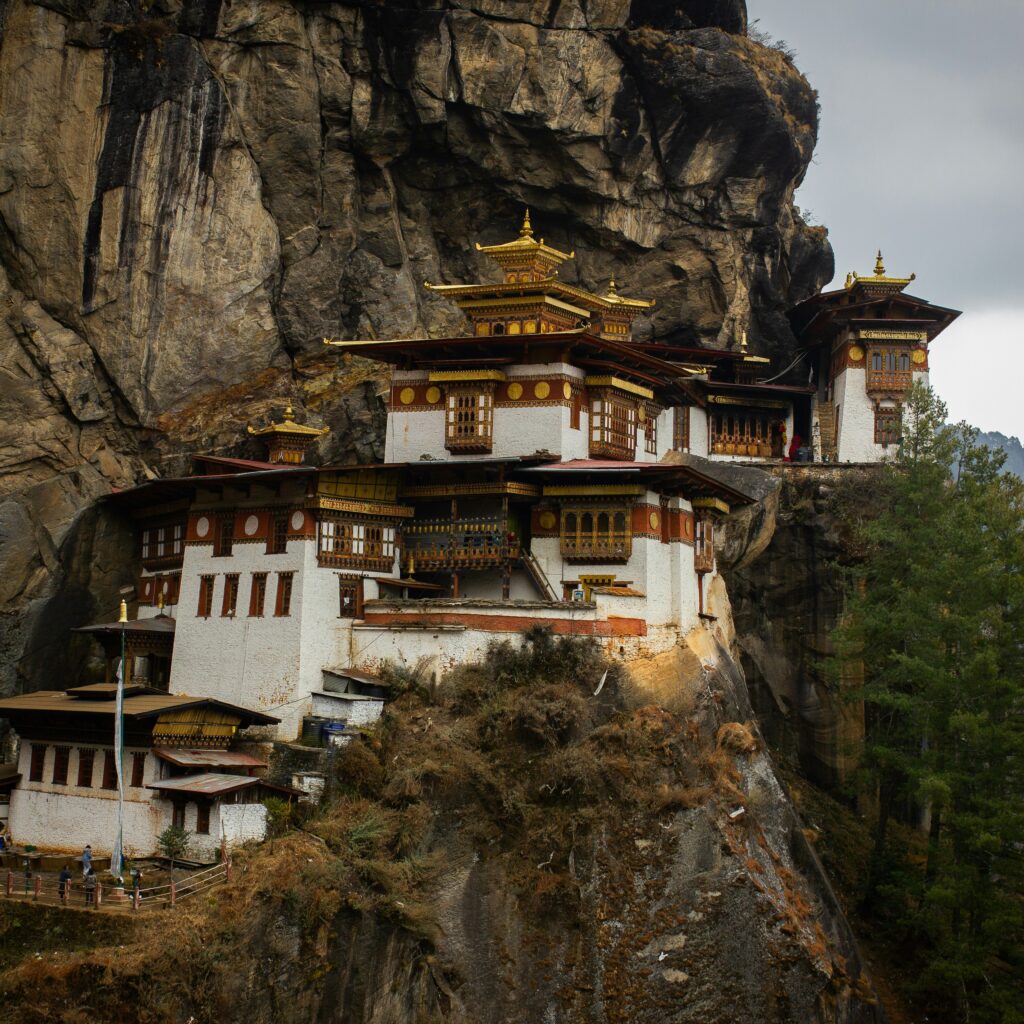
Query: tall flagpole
(116,857)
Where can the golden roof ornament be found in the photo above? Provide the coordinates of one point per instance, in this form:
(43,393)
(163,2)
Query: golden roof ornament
(526,231)
(288,426)
(878,282)
(123,616)
(287,441)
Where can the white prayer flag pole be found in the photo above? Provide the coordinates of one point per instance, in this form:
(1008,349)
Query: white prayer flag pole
(116,857)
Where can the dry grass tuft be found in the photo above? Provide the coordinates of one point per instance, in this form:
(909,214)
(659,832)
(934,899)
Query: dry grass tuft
(737,737)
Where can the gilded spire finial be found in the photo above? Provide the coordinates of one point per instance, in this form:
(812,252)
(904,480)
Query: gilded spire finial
(611,286)
(526,231)
(160,602)
(743,341)
(123,617)
(879,265)
(289,412)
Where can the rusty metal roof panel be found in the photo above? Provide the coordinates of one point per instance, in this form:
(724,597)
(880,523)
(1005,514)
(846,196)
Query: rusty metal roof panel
(205,784)
(135,705)
(208,758)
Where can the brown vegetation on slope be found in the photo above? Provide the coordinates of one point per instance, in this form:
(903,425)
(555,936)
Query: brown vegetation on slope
(504,845)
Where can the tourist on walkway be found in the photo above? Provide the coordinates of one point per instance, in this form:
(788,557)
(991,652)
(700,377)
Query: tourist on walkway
(64,883)
(87,859)
(90,887)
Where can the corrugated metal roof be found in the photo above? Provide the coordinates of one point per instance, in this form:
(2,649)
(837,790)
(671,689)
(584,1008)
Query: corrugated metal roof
(205,784)
(161,624)
(356,675)
(135,706)
(208,758)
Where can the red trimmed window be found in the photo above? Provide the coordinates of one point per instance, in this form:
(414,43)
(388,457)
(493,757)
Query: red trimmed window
(230,602)
(61,757)
(225,536)
(205,609)
(888,426)
(138,770)
(35,772)
(109,770)
(277,540)
(258,594)
(86,759)
(283,604)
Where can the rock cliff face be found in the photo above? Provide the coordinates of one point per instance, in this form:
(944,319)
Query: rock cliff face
(194,192)
(785,604)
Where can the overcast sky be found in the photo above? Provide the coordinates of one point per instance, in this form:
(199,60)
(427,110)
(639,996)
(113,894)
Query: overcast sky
(921,154)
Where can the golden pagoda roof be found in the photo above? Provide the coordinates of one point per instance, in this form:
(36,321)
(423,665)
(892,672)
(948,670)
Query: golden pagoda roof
(524,245)
(879,278)
(547,286)
(289,426)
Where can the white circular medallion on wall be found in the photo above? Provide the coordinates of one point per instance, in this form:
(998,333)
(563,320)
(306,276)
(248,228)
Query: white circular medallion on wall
(298,520)
(202,526)
(252,524)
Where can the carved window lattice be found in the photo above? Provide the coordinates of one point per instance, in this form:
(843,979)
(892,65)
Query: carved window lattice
(889,369)
(888,426)
(704,545)
(613,421)
(596,534)
(469,421)
(651,429)
(681,429)
(356,543)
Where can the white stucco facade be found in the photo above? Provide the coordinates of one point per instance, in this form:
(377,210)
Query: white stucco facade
(67,816)
(855,417)
(268,662)
(64,818)
(520,429)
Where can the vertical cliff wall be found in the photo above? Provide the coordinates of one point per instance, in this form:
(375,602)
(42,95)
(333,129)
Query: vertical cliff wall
(785,604)
(194,192)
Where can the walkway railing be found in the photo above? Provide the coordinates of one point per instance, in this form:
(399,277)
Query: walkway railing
(29,889)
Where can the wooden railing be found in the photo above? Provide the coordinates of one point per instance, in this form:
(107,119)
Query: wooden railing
(115,899)
(615,547)
(340,560)
(473,543)
(889,380)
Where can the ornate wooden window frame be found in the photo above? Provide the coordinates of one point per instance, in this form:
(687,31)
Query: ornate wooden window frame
(356,543)
(888,424)
(596,533)
(469,418)
(613,424)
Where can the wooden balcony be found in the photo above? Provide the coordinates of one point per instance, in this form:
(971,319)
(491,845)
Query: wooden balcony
(598,549)
(468,445)
(374,562)
(481,542)
(611,450)
(889,380)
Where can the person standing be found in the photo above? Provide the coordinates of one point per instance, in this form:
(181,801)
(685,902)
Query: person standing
(90,888)
(64,883)
(87,859)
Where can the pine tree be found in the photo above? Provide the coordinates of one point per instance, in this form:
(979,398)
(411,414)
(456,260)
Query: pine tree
(936,618)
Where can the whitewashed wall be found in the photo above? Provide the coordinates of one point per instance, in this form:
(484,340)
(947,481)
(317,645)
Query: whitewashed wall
(269,663)
(237,823)
(856,418)
(67,817)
